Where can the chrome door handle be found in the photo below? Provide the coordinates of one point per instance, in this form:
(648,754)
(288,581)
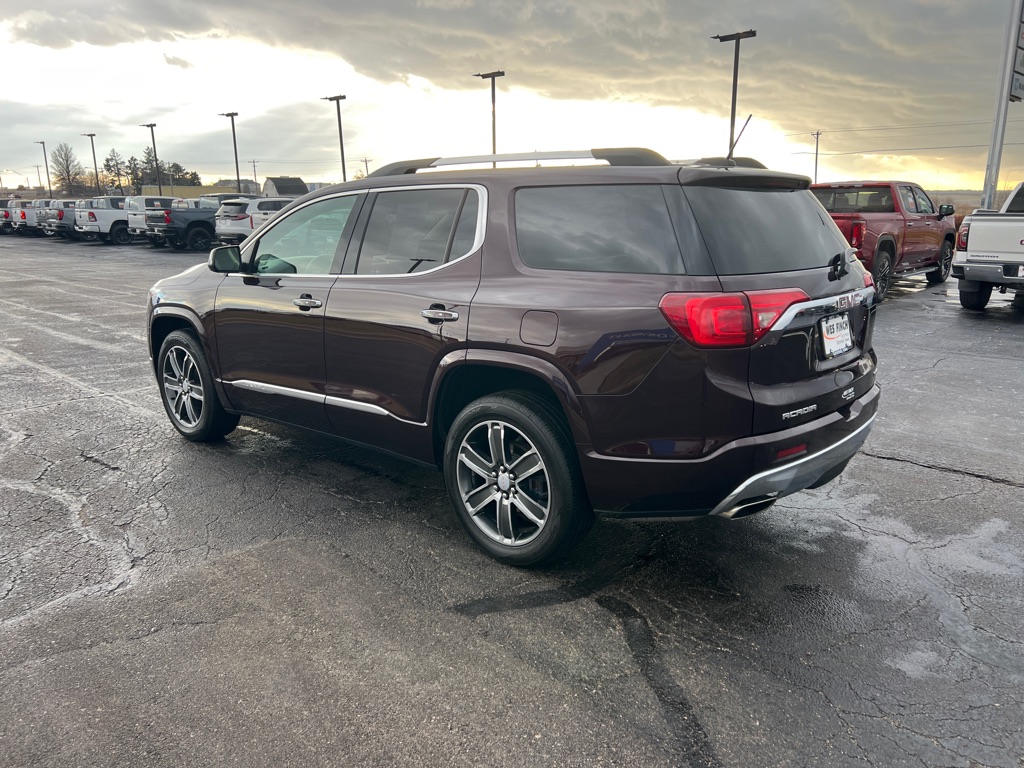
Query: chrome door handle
(307,302)
(439,314)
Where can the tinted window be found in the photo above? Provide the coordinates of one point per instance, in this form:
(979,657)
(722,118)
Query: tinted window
(409,231)
(305,241)
(750,231)
(465,232)
(856,199)
(924,203)
(270,205)
(623,228)
(907,200)
(229,209)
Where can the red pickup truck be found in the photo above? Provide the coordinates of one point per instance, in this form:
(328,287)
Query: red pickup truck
(895,228)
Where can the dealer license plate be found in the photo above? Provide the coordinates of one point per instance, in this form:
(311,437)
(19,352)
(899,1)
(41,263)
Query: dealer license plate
(835,333)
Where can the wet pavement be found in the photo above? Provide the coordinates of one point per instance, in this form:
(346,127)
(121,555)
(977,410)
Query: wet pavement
(285,599)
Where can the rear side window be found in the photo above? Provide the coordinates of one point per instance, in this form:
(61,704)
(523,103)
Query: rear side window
(750,231)
(597,228)
(229,209)
(410,231)
(270,205)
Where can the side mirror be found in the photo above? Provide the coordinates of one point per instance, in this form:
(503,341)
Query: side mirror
(946,210)
(226,258)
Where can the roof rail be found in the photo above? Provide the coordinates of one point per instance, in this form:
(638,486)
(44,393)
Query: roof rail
(612,155)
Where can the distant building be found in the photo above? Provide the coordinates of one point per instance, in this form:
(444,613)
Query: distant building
(248,187)
(284,186)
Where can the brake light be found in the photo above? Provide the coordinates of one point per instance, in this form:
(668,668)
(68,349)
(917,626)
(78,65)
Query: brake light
(60,215)
(857,230)
(167,217)
(869,280)
(23,215)
(252,224)
(961,236)
(727,319)
(92,216)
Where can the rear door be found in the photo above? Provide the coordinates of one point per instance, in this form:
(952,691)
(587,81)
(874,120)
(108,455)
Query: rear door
(785,253)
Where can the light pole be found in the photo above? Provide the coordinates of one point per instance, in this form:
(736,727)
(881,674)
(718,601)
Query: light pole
(95,167)
(46,161)
(156,160)
(493,76)
(341,137)
(234,143)
(737,36)
(817,137)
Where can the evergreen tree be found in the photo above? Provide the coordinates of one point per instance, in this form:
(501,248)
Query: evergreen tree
(114,167)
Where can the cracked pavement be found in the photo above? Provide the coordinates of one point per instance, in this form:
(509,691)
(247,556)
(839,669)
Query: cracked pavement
(285,599)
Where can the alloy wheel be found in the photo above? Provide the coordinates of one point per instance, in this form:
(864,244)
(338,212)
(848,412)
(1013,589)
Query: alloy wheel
(183,387)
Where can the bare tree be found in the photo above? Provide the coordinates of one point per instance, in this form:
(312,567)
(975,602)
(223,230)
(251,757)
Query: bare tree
(67,171)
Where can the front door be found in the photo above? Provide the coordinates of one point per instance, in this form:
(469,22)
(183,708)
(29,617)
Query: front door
(270,319)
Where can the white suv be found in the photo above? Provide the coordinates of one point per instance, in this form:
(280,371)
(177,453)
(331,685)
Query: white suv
(237,219)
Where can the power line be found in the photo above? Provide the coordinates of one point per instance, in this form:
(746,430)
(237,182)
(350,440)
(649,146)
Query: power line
(898,127)
(909,149)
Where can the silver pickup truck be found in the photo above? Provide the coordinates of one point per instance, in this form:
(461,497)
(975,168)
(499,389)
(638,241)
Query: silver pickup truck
(989,252)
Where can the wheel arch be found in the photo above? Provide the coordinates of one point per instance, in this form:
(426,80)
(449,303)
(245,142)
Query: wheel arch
(486,372)
(165,321)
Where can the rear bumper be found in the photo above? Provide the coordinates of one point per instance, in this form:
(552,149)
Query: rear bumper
(742,477)
(88,228)
(999,274)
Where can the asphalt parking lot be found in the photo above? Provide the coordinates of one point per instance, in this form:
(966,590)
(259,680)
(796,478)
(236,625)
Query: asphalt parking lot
(284,599)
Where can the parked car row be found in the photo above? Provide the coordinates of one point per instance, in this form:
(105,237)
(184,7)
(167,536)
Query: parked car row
(195,224)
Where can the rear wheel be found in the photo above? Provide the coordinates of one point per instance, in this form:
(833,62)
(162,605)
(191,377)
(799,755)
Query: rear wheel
(120,235)
(187,390)
(514,480)
(941,272)
(177,244)
(976,299)
(882,274)
(199,239)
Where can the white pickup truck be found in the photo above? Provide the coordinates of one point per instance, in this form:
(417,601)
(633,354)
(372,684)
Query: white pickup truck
(990,252)
(106,219)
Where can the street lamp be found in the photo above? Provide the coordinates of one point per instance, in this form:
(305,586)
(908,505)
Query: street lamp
(341,138)
(49,191)
(737,36)
(234,143)
(95,167)
(156,160)
(492,76)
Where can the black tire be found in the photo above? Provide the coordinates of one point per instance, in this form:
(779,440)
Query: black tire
(187,390)
(87,237)
(881,272)
(200,239)
(941,272)
(103,238)
(119,234)
(525,520)
(978,299)
(156,242)
(178,245)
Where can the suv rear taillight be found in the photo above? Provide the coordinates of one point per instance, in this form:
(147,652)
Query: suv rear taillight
(961,236)
(857,230)
(727,319)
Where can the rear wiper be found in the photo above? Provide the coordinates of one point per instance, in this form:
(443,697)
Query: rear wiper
(837,266)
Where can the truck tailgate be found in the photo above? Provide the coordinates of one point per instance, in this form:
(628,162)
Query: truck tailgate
(996,237)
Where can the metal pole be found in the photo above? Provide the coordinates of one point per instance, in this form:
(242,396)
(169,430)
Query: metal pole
(156,160)
(737,36)
(341,136)
(493,77)
(816,135)
(95,166)
(234,144)
(995,150)
(46,161)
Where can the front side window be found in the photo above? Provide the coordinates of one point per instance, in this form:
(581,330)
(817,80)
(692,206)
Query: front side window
(416,230)
(924,203)
(597,228)
(907,199)
(306,241)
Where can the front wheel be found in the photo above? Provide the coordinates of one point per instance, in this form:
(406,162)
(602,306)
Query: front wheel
(199,239)
(941,272)
(881,271)
(978,299)
(512,475)
(187,390)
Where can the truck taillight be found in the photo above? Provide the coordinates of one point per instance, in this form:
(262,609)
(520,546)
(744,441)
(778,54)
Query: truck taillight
(92,216)
(857,230)
(961,236)
(167,217)
(60,215)
(727,319)
(23,215)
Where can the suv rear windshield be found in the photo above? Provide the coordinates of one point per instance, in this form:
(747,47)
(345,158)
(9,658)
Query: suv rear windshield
(765,230)
(597,228)
(229,209)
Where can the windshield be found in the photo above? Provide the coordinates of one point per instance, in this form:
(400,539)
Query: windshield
(856,199)
(766,230)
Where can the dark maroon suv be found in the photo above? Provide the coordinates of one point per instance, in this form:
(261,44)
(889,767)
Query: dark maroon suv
(638,339)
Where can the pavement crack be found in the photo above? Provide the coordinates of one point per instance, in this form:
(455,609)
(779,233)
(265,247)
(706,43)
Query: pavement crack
(950,470)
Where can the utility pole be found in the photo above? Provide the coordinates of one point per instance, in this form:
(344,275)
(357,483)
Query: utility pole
(95,166)
(816,135)
(46,162)
(366,164)
(736,36)
(255,180)
(39,176)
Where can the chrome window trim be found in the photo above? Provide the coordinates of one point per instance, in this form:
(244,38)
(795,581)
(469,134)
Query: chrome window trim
(313,397)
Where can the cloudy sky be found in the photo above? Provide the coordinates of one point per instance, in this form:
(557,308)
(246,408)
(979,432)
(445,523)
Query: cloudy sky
(898,88)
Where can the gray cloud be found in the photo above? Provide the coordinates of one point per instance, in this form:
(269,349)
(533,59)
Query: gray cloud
(839,66)
(174,61)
